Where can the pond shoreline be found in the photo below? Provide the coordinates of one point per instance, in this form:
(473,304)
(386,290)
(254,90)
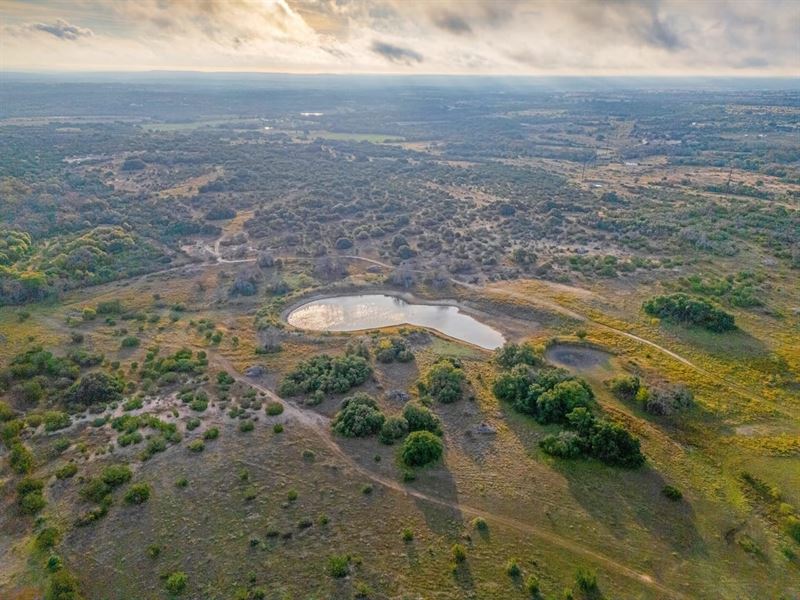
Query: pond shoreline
(410,299)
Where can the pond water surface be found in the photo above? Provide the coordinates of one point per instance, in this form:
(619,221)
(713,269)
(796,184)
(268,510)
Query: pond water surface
(371,311)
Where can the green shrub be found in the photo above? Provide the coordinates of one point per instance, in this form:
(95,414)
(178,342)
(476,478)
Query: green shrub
(47,538)
(392,349)
(54,563)
(6,412)
(61,444)
(459,553)
(359,416)
(672,493)
(63,585)
(291,495)
(132,404)
(96,388)
(32,503)
(327,374)
(480,524)
(177,582)
(21,459)
(67,471)
(793,528)
(277,428)
(444,381)
(274,408)
(127,439)
(246,425)
(211,433)
(420,418)
(338,565)
(192,424)
(421,448)
(130,341)
(586,581)
(196,445)
(681,308)
(407,534)
(511,355)
(613,444)
(393,429)
(565,444)
(138,493)
(116,475)
(532,588)
(625,387)
(95,490)
(55,420)
(198,404)
(224,379)
(513,569)
(553,405)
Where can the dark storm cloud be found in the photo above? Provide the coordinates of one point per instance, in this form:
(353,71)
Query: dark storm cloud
(396,54)
(453,23)
(661,35)
(62,30)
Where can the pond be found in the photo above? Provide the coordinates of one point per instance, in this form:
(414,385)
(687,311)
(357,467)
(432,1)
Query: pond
(372,311)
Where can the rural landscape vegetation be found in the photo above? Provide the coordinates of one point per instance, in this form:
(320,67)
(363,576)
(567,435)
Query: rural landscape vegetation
(166,433)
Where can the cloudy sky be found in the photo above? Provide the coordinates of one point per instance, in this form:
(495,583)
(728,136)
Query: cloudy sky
(518,37)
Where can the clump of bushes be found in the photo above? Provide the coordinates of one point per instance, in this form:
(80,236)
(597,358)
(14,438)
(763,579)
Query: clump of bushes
(67,471)
(339,565)
(130,341)
(115,475)
(661,399)
(21,459)
(273,409)
(681,308)
(671,492)
(326,374)
(420,418)
(421,448)
(547,394)
(138,493)
(444,381)
(510,355)
(30,498)
(55,420)
(393,429)
(47,538)
(359,416)
(393,349)
(62,585)
(96,388)
(608,442)
(196,445)
(211,433)
(177,582)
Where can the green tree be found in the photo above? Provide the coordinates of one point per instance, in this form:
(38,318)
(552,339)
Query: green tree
(421,448)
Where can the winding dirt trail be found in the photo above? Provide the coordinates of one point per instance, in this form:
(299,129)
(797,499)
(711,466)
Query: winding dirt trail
(554,306)
(320,425)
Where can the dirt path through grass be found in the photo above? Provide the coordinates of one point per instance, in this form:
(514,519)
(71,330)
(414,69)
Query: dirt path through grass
(321,426)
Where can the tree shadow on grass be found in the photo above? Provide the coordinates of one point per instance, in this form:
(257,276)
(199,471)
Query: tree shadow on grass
(736,344)
(443,518)
(617,498)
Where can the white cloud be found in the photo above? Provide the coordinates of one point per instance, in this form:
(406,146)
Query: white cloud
(444,36)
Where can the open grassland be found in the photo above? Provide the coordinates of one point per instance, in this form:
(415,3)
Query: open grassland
(234,527)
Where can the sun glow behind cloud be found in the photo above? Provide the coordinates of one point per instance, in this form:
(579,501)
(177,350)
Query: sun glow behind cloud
(661,37)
